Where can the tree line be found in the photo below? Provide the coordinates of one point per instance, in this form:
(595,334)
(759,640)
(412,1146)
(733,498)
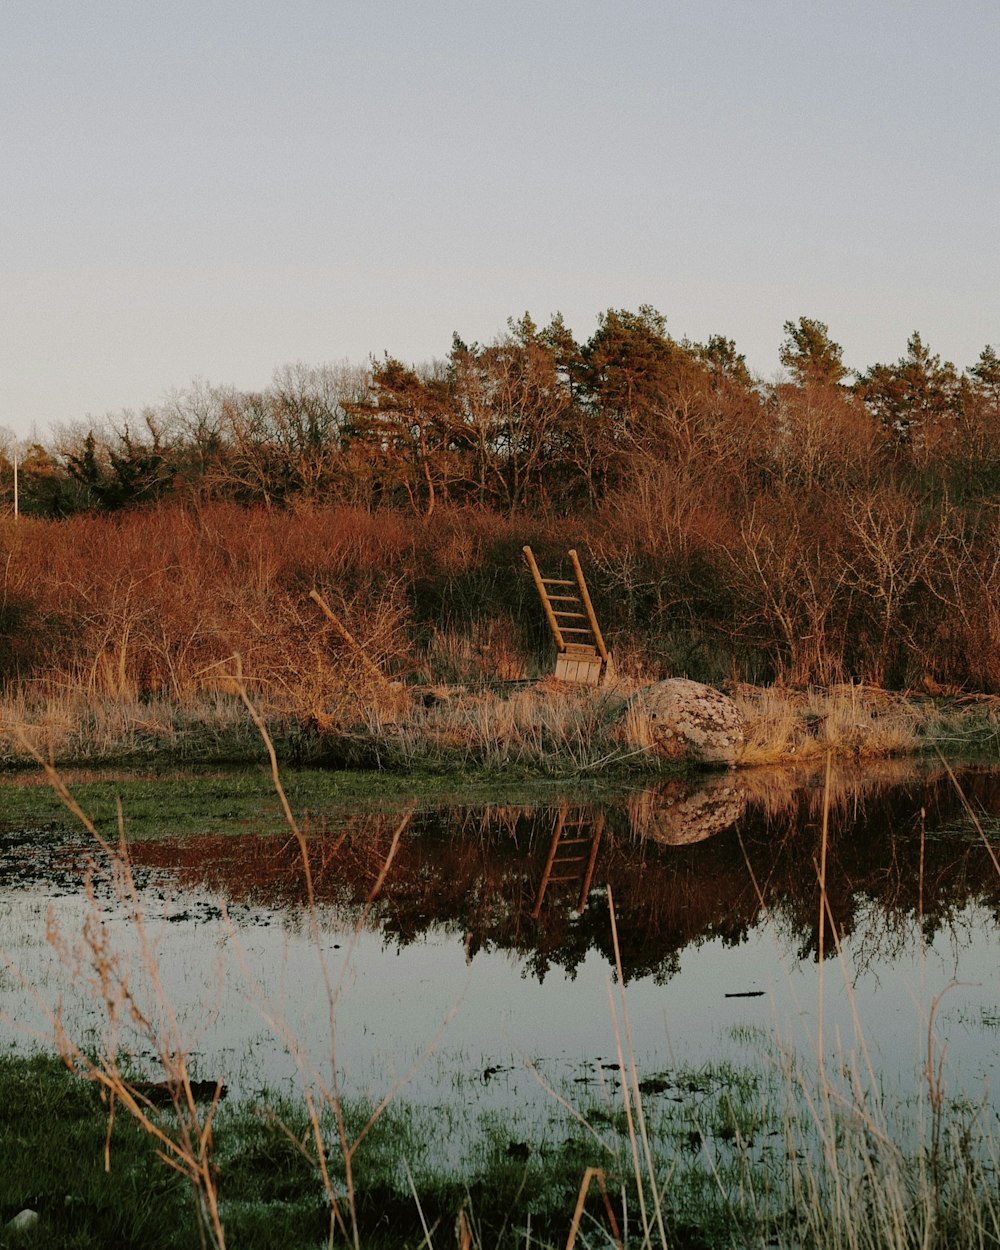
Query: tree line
(828,525)
(534,421)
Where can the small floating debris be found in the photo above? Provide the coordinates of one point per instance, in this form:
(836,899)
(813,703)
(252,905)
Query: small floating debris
(163,1093)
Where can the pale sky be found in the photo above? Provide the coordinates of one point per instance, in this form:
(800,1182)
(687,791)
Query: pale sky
(213,188)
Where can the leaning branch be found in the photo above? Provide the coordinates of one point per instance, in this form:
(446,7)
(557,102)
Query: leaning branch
(344,633)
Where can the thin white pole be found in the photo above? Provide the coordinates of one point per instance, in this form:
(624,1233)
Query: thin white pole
(15,479)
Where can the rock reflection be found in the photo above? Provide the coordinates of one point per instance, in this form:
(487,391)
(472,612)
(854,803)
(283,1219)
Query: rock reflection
(686,864)
(680,813)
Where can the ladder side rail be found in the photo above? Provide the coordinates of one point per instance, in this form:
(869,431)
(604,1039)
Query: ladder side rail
(549,863)
(543,595)
(588,876)
(585,596)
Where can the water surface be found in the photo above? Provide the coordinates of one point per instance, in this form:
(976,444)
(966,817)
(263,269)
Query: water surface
(487,959)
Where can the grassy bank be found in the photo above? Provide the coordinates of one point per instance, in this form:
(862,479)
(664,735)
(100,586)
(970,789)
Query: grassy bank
(205,799)
(713,1156)
(529,729)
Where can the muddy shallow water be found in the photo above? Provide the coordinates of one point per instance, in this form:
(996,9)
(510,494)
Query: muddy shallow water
(486,959)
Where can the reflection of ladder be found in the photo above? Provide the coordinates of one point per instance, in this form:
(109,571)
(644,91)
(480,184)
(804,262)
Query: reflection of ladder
(582,655)
(573,853)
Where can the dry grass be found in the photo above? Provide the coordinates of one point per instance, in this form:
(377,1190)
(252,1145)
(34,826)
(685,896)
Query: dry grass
(861,721)
(555,727)
(67,725)
(546,726)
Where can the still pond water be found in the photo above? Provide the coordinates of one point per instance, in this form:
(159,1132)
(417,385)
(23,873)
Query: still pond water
(485,970)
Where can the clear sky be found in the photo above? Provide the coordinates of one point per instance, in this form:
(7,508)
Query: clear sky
(213,188)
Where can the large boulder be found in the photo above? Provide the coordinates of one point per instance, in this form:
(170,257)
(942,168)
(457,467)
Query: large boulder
(685,720)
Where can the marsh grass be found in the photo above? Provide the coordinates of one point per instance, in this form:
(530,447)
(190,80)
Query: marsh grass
(864,1169)
(548,728)
(52,1137)
(753,1155)
(484,725)
(864,722)
(67,725)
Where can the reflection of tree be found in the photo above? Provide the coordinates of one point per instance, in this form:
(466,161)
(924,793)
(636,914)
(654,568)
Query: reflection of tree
(475,872)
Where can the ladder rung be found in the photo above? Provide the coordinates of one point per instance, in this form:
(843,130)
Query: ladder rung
(556,581)
(572,841)
(565,599)
(571,616)
(573,877)
(570,630)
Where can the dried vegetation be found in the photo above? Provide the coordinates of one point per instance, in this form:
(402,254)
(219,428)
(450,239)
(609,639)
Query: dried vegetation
(804,534)
(128,633)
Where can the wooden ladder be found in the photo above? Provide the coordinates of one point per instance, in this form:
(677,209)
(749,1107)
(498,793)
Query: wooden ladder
(576,839)
(581,653)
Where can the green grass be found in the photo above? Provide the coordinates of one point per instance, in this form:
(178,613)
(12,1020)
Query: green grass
(742,1157)
(207,800)
(52,1136)
(189,801)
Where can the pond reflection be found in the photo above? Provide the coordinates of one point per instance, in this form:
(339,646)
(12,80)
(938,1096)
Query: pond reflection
(685,861)
(505,908)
